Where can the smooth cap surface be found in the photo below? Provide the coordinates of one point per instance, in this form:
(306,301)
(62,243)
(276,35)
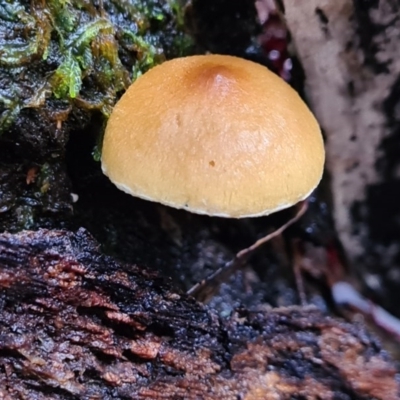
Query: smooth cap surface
(216,135)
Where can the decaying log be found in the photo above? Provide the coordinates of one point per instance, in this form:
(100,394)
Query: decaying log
(350,54)
(62,67)
(75,324)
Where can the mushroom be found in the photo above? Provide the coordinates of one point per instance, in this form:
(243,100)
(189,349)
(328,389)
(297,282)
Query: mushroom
(215,135)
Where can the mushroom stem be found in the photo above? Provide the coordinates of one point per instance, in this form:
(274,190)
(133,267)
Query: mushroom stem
(297,269)
(207,287)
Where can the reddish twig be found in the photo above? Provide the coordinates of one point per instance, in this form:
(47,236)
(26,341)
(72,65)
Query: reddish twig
(203,289)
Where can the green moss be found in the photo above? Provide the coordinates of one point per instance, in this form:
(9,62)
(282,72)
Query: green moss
(12,107)
(66,80)
(37,29)
(76,52)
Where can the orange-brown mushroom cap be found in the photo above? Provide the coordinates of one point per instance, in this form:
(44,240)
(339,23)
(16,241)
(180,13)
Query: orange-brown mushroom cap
(215,135)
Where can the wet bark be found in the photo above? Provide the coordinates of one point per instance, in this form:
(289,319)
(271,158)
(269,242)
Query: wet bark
(75,324)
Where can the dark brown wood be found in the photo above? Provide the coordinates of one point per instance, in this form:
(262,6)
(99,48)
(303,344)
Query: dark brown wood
(75,324)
